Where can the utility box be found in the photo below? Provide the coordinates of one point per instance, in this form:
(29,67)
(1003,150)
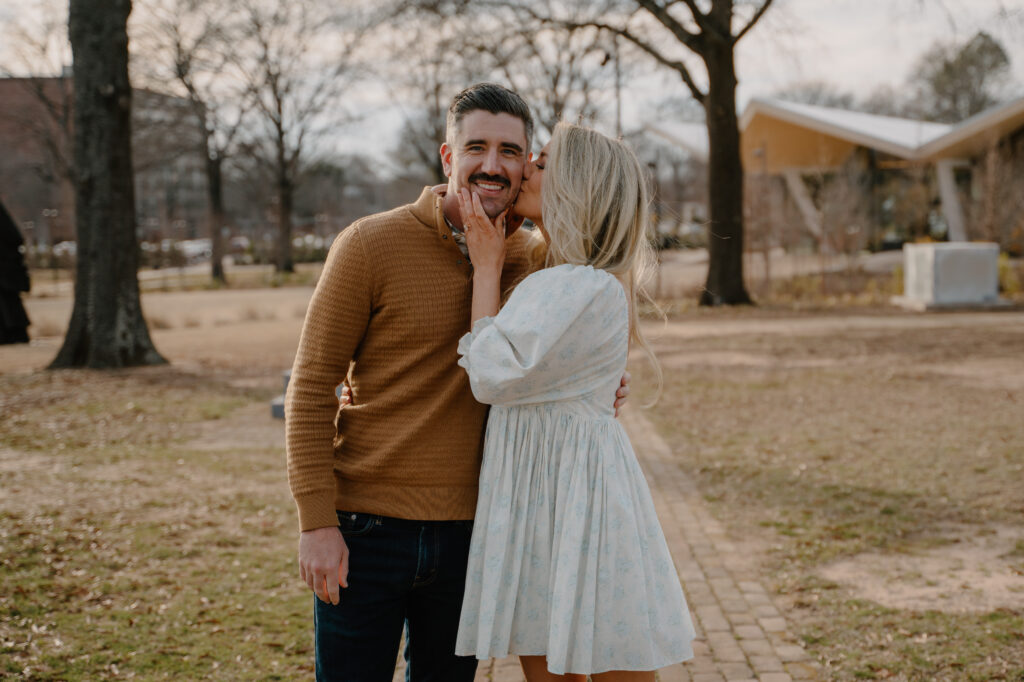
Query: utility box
(950,275)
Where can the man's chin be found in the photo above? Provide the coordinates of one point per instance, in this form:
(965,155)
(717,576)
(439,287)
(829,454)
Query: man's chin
(493,210)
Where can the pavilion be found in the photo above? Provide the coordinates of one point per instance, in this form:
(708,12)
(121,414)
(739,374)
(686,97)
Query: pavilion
(793,140)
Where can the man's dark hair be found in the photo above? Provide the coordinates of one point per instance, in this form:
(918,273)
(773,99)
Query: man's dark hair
(491,97)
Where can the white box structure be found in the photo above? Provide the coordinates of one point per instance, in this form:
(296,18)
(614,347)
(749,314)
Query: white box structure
(950,275)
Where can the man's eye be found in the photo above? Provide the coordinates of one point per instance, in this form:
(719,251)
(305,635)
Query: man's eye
(539,167)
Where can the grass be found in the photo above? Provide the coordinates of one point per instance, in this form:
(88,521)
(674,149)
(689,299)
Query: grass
(146,530)
(175,279)
(129,552)
(820,447)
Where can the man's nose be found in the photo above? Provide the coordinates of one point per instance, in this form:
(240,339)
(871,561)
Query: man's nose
(490,164)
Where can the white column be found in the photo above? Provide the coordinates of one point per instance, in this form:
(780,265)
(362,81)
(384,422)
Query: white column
(950,197)
(797,188)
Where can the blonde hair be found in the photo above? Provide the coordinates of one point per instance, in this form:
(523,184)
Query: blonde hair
(594,205)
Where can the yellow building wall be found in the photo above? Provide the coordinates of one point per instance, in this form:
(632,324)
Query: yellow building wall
(786,145)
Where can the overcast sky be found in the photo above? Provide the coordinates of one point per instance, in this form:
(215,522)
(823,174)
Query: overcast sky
(855,45)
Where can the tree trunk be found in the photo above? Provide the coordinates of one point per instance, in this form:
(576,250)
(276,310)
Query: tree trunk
(215,197)
(107,328)
(725,284)
(285,192)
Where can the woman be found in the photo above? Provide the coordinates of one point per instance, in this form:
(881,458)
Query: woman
(568,565)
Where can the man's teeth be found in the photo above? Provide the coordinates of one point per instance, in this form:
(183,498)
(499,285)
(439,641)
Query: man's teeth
(487,185)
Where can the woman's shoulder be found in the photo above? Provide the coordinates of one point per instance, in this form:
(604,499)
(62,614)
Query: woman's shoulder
(577,278)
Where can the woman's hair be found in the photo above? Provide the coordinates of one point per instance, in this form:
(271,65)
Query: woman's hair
(594,205)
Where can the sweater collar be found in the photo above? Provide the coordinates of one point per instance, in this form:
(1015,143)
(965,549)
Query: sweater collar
(429,209)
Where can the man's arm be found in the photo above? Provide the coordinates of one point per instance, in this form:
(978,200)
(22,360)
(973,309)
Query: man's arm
(336,321)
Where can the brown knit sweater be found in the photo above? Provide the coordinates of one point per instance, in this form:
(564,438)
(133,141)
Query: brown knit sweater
(391,304)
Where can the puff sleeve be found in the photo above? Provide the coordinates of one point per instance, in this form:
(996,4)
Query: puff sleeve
(561,329)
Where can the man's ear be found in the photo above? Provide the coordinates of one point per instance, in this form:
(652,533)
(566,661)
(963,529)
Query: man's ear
(446,159)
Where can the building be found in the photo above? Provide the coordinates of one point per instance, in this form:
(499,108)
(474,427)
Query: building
(969,177)
(36,161)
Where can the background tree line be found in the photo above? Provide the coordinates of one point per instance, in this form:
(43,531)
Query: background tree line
(267,81)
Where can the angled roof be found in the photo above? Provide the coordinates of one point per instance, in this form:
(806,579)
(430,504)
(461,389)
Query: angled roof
(974,135)
(776,134)
(896,136)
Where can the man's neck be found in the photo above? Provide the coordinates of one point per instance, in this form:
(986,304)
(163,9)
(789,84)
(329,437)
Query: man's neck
(450,207)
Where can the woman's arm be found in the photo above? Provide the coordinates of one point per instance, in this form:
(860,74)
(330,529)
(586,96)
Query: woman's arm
(486,242)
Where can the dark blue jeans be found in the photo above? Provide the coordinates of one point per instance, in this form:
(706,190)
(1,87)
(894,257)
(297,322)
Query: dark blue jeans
(399,571)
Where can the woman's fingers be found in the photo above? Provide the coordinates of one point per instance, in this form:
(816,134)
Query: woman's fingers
(474,216)
(478,210)
(463,208)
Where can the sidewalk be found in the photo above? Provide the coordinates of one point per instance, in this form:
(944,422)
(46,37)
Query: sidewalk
(741,635)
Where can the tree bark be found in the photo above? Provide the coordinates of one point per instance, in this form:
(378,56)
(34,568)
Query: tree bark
(286,198)
(215,197)
(107,328)
(725,285)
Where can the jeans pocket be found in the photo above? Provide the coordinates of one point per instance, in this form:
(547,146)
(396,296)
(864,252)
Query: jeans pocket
(355,524)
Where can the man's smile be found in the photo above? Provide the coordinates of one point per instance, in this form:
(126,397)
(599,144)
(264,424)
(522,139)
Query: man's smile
(494,185)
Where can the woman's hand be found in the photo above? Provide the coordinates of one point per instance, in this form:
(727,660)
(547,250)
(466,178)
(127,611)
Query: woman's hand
(486,240)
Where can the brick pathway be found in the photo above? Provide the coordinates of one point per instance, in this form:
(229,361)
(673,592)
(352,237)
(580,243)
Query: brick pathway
(741,635)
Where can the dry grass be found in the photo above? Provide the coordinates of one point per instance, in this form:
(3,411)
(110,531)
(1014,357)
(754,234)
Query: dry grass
(134,546)
(822,446)
(146,529)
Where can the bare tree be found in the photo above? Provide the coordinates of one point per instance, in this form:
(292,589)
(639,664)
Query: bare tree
(997,209)
(818,93)
(561,71)
(953,82)
(564,73)
(442,65)
(659,28)
(298,60)
(107,328)
(194,42)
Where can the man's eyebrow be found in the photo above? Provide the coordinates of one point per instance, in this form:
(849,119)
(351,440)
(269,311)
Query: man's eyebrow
(510,145)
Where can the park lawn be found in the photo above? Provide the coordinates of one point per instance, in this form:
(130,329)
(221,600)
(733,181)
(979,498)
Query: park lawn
(135,543)
(815,448)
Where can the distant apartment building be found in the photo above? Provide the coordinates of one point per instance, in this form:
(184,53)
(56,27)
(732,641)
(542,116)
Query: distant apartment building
(36,161)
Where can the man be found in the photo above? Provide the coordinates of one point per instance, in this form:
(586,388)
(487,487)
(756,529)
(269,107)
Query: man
(386,486)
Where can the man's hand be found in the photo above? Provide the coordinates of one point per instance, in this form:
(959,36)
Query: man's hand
(323,562)
(622,393)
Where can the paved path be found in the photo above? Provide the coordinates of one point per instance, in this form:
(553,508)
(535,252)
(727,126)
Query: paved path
(741,635)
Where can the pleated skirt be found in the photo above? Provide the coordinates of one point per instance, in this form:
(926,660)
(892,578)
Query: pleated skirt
(568,559)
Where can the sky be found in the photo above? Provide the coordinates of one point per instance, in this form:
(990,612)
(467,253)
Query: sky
(854,45)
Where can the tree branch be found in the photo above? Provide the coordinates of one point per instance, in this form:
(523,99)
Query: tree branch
(698,16)
(694,41)
(675,65)
(753,20)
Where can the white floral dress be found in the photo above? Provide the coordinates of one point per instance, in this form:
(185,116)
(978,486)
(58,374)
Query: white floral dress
(567,559)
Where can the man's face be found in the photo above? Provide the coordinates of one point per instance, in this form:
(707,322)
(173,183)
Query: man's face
(487,157)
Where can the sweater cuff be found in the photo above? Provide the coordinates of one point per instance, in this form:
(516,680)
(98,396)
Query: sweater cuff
(316,511)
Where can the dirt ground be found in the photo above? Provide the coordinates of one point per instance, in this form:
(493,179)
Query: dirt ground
(805,430)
